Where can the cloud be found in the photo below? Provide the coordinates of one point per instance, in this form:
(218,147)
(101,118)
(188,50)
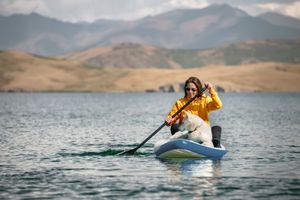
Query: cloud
(292,9)
(8,7)
(188,3)
(91,10)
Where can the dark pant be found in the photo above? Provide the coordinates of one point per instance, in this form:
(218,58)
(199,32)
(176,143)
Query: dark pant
(216,135)
(215,130)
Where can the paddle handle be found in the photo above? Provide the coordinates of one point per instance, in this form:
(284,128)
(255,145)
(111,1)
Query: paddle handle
(187,103)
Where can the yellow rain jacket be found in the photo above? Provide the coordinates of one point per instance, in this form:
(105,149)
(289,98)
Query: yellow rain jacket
(200,106)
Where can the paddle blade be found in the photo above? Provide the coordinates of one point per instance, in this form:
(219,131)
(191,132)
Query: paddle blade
(128,152)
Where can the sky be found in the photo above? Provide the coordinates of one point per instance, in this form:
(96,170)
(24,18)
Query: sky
(91,10)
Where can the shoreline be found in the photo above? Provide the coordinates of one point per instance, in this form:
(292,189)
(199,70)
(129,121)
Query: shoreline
(142,92)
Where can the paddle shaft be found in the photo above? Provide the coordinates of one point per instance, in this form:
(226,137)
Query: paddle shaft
(161,126)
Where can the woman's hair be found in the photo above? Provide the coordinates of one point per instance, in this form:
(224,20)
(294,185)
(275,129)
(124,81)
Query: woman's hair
(194,80)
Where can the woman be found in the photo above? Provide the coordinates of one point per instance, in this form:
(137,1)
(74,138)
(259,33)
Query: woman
(201,106)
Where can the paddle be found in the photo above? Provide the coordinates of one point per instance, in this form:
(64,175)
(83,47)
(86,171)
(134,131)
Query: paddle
(132,151)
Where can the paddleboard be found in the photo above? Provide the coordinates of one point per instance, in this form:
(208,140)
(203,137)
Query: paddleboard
(183,148)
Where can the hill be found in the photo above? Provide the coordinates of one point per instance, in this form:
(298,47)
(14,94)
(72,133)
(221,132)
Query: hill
(146,56)
(25,72)
(124,55)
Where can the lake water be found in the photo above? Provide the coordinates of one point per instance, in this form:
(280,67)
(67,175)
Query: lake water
(64,145)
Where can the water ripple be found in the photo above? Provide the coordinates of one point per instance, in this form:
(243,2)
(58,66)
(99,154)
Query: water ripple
(65,146)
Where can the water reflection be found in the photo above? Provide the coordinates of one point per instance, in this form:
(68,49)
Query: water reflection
(198,175)
(194,167)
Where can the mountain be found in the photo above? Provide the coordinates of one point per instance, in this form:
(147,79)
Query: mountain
(281,20)
(37,34)
(209,27)
(129,55)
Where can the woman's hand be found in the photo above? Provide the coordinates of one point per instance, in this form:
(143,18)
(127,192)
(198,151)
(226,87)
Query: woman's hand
(208,85)
(169,120)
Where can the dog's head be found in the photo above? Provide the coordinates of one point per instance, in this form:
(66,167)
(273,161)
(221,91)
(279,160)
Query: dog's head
(191,122)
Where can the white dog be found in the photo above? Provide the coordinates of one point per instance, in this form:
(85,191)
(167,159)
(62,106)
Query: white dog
(195,129)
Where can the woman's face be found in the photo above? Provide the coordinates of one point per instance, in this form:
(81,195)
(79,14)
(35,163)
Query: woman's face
(191,90)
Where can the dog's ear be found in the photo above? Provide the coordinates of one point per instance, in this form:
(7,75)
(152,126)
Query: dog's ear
(186,114)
